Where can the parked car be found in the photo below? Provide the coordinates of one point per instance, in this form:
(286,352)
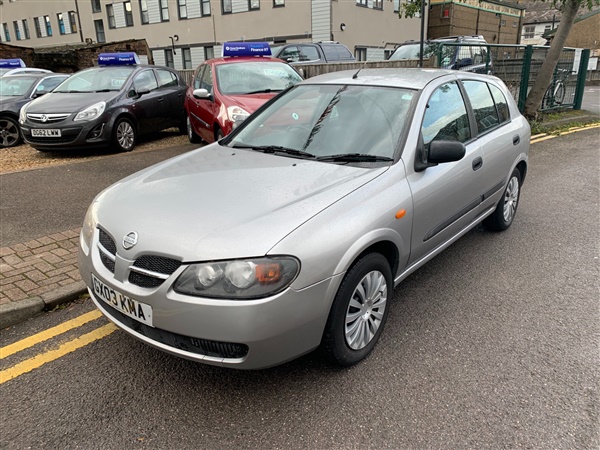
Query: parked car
(472,56)
(108,105)
(225,91)
(15,92)
(292,232)
(16,66)
(320,52)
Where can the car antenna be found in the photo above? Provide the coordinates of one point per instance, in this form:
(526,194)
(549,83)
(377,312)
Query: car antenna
(355,76)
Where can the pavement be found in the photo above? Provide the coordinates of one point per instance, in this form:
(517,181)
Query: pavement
(42,274)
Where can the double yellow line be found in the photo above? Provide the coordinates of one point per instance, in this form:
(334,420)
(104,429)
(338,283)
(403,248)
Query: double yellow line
(545,136)
(66,348)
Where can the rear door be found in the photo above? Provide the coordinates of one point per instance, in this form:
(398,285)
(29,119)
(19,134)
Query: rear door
(173,97)
(205,108)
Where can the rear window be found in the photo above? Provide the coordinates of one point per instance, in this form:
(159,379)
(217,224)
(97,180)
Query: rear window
(255,77)
(336,52)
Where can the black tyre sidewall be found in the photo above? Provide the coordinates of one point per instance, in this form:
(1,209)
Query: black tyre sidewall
(496,222)
(334,345)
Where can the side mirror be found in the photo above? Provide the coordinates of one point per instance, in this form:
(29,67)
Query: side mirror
(37,94)
(445,151)
(201,94)
(439,152)
(142,91)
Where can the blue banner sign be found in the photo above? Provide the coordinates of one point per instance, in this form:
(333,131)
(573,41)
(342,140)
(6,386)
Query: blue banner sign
(246,49)
(118,59)
(12,63)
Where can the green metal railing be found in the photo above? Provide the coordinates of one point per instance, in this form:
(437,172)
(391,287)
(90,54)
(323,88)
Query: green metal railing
(518,66)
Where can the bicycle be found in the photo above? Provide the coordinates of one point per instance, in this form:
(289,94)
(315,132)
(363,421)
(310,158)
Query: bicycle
(555,94)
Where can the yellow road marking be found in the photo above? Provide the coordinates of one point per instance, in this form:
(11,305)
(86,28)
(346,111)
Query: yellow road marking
(545,138)
(43,358)
(573,130)
(48,334)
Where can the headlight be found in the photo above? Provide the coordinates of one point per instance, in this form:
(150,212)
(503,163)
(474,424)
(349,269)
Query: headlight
(23,114)
(237,115)
(89,224)
(91,113)
(241,279)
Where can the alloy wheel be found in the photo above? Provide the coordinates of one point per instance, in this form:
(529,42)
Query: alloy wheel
(9,133)
(511,196)
(125,135)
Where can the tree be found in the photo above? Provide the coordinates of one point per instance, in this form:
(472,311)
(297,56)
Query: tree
(569,9)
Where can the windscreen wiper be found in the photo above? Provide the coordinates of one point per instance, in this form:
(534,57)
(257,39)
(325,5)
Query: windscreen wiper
(264,91)
(354,157)
(276,149)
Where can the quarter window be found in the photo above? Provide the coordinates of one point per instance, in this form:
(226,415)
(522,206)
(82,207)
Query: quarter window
(481,99)
(446,116)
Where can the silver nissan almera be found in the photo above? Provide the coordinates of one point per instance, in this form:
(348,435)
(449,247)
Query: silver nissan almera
(292,232)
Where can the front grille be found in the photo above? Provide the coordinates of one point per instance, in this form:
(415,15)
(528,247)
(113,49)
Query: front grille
(108,250)
(151,271)
(47,118)
(227,350)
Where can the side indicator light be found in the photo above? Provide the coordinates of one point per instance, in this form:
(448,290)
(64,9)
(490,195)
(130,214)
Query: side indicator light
(268,273)
(400,214)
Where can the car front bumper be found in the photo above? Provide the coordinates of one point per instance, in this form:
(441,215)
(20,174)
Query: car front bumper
(268,331)
(96,133)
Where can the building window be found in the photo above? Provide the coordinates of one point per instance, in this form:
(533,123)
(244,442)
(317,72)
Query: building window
(226,6)
(253,4)
(206,7)
(186,58)
(378,4)
(48,25)
(110,14)
(17,32)
(100,36)
(396,6)
(73,21)
(61,23)
(128,14)
(209,53)
(26,28)
(164,11)
(6,32)
(96,6)
(503,22)
(360,53)
(278,3)
(169,58)
(529,32)
(38,30)
(361,3)
(182,9)
(144,12)
(387,53)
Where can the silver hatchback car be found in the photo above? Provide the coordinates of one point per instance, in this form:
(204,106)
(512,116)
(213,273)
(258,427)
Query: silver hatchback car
(291,233)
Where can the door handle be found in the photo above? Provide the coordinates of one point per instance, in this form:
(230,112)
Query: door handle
(477,163)
(516,139)
(160,99)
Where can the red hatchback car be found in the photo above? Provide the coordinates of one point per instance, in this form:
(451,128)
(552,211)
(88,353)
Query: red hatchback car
(225,91)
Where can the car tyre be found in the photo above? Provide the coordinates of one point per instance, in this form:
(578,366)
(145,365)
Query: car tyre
(124,135)
(219,134)
(359,311)
(505,211)
(191,134)
(10,135)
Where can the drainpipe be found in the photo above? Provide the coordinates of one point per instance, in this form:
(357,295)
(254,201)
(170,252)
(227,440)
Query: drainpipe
(79,20)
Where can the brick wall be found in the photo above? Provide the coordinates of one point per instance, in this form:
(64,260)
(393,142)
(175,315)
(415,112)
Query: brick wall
(12,51)
(585,34)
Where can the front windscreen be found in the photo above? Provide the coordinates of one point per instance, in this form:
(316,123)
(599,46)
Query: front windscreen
(103,79)
(255,77)
(325,120)
(15,86)
(410,51)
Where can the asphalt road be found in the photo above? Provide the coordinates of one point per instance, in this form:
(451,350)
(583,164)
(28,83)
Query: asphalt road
(591,99)
(494,344)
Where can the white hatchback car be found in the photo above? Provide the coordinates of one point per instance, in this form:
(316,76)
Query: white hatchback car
(291,232)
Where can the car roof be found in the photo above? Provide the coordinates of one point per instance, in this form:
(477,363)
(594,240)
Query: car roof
(35,75)
(393,77)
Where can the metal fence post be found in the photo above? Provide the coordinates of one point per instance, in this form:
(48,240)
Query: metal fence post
(583,65)
(525,72)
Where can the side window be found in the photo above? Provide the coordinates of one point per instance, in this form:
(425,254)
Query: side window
(309,53)
(145,80)
(166,78)
(501,104)
(291,54)
(207,82)
(198,77)
(483,105)
(446,116)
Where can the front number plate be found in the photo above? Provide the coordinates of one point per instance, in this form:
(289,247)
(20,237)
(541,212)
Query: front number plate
(127,305)
(43,132)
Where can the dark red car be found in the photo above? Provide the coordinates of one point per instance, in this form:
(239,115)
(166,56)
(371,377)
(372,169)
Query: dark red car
(225,91)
